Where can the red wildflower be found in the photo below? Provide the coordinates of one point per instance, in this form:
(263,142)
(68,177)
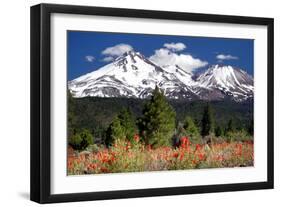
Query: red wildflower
(176,154)
(128,146)
(198,147)
(136,137)
(92,166)
(201,156)
(184,142)
(70,164)
(238,151)
(181,156)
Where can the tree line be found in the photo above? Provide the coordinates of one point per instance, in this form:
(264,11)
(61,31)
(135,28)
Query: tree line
(157,126)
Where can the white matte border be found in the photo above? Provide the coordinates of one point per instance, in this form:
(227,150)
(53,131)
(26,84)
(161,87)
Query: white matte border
(60,183)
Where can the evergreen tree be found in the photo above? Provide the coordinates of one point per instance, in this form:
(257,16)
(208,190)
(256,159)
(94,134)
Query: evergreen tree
(122,127)
(158,122)
(128,123)
(218,131)
(191,128)
(207,121)
(115,131)
(230,127)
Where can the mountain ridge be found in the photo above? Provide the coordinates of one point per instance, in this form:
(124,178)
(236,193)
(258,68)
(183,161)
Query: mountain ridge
(135,76)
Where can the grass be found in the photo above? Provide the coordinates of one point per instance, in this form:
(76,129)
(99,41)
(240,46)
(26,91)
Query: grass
(125,156)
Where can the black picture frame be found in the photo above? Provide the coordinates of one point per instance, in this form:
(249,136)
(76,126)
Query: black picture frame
(41,96)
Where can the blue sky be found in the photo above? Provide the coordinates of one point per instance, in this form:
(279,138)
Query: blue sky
(88,51)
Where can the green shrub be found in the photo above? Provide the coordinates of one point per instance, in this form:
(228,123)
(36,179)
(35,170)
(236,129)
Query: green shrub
(240,135)
(81,140)
(93,148)
(188,129)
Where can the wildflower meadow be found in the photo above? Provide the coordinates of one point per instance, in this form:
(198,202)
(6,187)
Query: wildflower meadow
(125,156)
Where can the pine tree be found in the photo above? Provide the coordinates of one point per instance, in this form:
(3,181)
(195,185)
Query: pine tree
(122,127)
(127,122)
(218,131)
(158,122)
(207,121)
(191,129)
(115,131)
(230,127)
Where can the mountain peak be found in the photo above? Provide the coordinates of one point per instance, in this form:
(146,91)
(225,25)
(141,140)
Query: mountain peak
(221,67)
(130,56)
(130,52)
(229,80)
(126,54)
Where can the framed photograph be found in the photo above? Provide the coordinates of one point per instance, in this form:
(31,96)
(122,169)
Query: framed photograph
(132,103)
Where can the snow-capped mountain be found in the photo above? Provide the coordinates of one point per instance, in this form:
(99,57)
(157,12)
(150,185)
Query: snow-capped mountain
(220,81)
(133,75)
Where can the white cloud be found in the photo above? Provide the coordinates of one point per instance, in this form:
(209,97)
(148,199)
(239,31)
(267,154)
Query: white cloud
(222,57)
(164,57)
(89,58)
(112,52)
(108,59)
(117,50)
(176,47)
